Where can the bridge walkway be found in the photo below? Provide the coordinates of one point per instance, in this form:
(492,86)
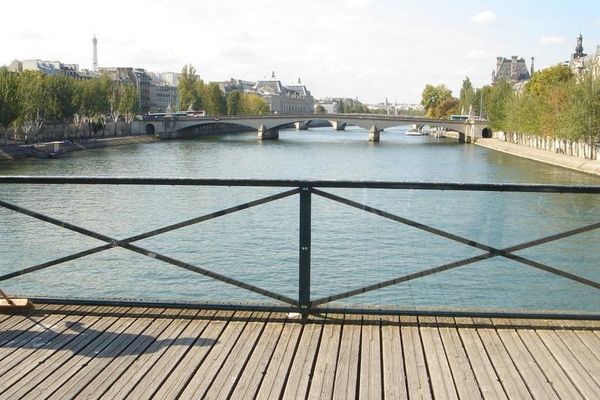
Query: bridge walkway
(72,351)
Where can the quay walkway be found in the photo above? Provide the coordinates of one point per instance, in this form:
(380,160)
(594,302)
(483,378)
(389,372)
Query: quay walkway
(73,351)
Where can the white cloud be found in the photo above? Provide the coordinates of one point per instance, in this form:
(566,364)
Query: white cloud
(550,40)
(484,17)
(478,55)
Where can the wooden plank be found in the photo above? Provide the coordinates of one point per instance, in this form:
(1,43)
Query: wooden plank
(533,376)
(211,366)
(551,368)
(259,362)
(14,305)
(442,381)
(417,373)
(589,360)
(21,363)
(346,376)
(115,357)
(371,376)
(27,340)
(160,356)
(177,366)
(234,364)
(570,364)
(301,369)
(591,342)
(394,375)
(323,377)
(460,365)
(93,358)
(78,344)
(281,361)
(510,378)
(126,363)
(485,374)
(19,325)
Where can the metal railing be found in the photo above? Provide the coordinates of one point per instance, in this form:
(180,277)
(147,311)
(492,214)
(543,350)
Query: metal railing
(305,303)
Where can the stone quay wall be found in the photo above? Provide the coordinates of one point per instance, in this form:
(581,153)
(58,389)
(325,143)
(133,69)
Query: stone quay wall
(55,132)
(567,147)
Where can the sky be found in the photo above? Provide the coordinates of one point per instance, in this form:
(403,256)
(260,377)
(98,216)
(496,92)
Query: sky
(370,49)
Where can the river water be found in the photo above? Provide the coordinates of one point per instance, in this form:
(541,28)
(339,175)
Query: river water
(350,248)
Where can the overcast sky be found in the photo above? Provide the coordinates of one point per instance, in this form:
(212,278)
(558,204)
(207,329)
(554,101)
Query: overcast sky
(370,49)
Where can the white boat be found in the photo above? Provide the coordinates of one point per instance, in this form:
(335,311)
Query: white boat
(414,132)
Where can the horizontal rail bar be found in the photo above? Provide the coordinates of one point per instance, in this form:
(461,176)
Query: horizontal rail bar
(446,312)
(485,187)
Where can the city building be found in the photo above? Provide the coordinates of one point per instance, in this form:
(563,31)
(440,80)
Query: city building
(581,62)
(156,91)
(283,99)
(163,91)
(50,68)
(513,70)
(328,104)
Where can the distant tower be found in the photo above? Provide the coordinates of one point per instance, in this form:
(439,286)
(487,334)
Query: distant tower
(532,69)
(273,75)
(95,55)
(579,47)
(299,81)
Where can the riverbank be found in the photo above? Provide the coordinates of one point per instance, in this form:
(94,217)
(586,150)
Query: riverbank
(14,152)
(561,160)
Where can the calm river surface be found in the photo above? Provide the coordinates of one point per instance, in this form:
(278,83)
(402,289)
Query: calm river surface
(350,248)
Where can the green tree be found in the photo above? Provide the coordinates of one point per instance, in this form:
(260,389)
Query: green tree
(542,81)
(433,96)
(214,100)
(33,95)
(234,103)
(190,89)
(479,99)
(341,107)
(467,96)
(253,104)
(128,102)
(581,118)
(320,109)
(447,107)
(496,104)
(9,100)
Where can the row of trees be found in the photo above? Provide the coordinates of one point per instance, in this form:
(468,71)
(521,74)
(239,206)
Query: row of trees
(31,99)
(194,94)
(553,103)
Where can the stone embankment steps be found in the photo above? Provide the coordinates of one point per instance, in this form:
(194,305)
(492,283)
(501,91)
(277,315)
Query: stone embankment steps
(23,151)
(561,160)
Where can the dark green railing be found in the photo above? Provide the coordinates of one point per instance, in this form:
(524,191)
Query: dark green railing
(305,304)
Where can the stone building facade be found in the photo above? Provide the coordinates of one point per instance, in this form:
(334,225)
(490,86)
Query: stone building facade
(513,70)
(282,99)
(581,62)
(50,68)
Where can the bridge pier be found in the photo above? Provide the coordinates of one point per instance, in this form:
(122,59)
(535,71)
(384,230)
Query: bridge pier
(267,134)
(301,126)
(338,126)
(374,134)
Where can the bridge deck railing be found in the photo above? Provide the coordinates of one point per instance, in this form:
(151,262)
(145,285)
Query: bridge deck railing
(306,190)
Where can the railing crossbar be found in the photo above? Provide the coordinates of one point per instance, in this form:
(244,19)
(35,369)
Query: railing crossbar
(492,252)
(126,244)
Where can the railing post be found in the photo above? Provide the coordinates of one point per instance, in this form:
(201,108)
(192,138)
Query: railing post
(304,249)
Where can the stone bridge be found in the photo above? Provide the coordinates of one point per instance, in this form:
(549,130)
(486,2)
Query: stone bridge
(267,126)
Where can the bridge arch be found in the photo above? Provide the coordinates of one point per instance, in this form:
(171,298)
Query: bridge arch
(150,129)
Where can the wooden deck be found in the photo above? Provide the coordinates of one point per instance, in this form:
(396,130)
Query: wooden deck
(67,352)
